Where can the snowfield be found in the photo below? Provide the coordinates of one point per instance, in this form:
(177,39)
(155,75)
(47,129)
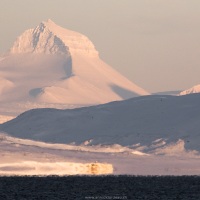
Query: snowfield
(70,130)
(150,135)
(26,157)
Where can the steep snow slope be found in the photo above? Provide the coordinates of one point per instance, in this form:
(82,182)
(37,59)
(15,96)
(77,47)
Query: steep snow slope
(50,64)
(148,123)
(194,89)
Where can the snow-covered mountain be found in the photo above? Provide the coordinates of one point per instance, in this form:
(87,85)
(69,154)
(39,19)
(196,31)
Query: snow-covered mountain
(168,123)
(192,90)
(50,64)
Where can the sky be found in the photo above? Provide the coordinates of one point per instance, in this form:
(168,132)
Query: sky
(154,43)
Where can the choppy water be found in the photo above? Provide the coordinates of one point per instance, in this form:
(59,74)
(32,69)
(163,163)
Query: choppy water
(100,187)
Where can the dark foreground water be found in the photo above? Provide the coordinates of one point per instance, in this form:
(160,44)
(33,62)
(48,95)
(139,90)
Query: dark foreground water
(100,187)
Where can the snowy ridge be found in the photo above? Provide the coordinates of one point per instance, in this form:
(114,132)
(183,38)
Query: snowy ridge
(143,124)
(85,147)
(50,38)
(194,89)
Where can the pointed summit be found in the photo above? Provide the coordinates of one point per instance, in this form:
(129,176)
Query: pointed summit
(49,38)
(49,21)
(50,65)
(49,24)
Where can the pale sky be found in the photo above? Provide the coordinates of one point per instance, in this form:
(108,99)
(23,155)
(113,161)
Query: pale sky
(154,43)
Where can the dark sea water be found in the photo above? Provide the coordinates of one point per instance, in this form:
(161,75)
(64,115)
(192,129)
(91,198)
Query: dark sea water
(100,187)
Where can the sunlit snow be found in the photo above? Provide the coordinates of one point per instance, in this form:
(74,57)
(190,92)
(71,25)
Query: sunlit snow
(52,65)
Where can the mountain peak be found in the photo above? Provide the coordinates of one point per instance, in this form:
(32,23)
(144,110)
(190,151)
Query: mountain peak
(194,89)
(49,21)
(50,38)
(49,24)
(35,75)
